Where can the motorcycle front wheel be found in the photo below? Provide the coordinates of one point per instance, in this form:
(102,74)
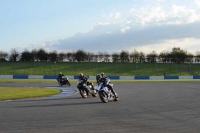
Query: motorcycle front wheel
(116,98)
(68,83)
(94,95)
(83,93)
(103,96)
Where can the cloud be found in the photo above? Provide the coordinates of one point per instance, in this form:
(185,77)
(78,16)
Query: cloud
(157,15)
(115,15)
(132,38)
(124,29)
(197,2)
(190,44)
(148,28)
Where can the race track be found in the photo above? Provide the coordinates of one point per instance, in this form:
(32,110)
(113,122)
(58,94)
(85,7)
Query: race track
(143,107)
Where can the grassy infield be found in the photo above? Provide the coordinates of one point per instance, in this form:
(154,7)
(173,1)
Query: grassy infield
(126,69)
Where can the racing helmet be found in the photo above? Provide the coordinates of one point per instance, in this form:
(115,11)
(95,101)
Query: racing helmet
(80,75)
(102,74)
(60,73)
(98,76)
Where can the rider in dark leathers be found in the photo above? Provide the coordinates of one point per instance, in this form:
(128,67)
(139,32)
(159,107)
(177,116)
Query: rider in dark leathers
(84,79)
(101,78)
(60,77)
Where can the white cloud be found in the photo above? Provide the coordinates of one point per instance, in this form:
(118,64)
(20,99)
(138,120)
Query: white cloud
(148,28)
(197,2)
(124,29)
(158,15)
(190,44)
(181,14)
(115,15)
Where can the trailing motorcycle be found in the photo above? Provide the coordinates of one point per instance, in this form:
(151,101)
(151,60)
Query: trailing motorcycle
(105,92)
(64,81)
(86,89)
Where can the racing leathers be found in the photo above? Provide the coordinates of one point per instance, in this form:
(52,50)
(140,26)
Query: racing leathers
(60,77)
(83,81)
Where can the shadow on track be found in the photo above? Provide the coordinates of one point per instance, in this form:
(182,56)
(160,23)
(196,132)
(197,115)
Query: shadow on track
(58,105)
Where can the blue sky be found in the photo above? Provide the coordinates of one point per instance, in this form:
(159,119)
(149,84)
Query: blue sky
(100,25)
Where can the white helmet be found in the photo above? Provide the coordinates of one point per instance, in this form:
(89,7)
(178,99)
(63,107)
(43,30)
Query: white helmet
(60,72)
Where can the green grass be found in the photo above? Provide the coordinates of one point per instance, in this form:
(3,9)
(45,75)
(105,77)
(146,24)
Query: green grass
(92,68)
(12,93)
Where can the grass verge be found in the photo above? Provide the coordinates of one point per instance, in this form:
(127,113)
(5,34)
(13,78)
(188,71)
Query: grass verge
(13,93)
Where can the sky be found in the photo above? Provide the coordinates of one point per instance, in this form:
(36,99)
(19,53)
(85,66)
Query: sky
(100,25)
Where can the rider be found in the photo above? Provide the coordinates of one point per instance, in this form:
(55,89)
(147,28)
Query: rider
(60,77)
(101,78)
(83,78)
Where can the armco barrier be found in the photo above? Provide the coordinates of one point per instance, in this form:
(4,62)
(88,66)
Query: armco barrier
(35,76)
(171,77)
(94,77)
(50,76)
(6,76)
(196,77)
(20,76)
(141,77)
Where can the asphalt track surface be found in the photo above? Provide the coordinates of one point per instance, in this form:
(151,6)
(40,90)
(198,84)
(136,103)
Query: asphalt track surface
(143,107)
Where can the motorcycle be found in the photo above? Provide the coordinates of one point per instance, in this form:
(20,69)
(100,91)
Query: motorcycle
(86,89)
(64,81)
(104,92)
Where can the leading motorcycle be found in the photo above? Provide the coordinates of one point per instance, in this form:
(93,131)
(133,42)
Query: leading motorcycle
(64,81)
(105,92)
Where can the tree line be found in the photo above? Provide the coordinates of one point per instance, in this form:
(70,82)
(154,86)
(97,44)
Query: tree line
(176,55)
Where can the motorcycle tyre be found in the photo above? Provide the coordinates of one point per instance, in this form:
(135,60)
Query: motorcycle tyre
(116,99)
(83,93)
(68,83)
(60,84)
(101,93)
(94,95)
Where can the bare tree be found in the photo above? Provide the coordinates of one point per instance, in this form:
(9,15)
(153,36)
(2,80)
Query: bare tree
(26,56)
(190,57)
(134,56)
(90,56)
(178,55)
(80,55)
(197,56)
(3,56)
(152,57)
(101,56)
(96,57)
(62,56)
(163,56)
(53,56)
(106,56)
(115,57)
(69,56)
(42,55)
(124,56)
(34,54)
(14,55)
(141,57)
